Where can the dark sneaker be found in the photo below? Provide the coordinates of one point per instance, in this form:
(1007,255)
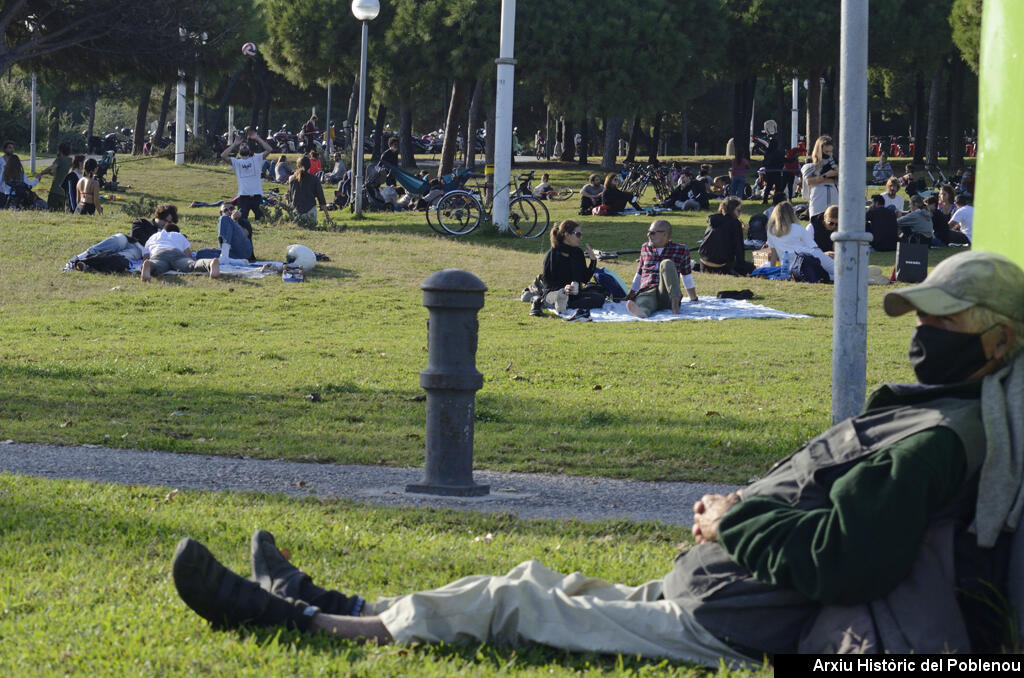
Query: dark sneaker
(581,314)
(272,571)
(537,307)
(227,600)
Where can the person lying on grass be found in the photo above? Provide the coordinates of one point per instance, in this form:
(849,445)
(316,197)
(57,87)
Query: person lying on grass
(656,283)
(168,249)
(890,532)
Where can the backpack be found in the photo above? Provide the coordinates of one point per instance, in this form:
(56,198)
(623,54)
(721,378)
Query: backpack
(610,282)
(807,268)
(757,228)
(103,262)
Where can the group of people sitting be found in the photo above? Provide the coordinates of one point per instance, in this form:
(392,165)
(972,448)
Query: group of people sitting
(663,271)
(157,245)
(73,188)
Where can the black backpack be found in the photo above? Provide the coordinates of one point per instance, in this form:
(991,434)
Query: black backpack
(103,262)
(757,228)
(807,268)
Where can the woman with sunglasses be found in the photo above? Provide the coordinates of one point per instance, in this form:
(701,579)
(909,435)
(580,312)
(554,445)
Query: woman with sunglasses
(566,274)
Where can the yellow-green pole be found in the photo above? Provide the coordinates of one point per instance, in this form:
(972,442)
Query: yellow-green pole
(997,228)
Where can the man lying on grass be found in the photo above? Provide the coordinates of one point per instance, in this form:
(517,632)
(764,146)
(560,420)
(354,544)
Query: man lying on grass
(168,249)
(890,532)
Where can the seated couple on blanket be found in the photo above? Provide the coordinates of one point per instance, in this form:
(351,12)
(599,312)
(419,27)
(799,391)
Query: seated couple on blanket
(656,285)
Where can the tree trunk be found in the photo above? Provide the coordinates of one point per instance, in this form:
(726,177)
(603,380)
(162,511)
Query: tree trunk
(220,121)
(956,141)
(634,139)
(489,154)
(813,120)
(451,128)
(548,140)
(53,128)
(655,138)
(612,128)
(378,134)
(931,148)
(139,137)
(161,122)
(405,147)
(919,118)
(781,104)
(834,99)
(473,123)
(584,141)
(743,104)
(682,129)
(568,144)
(89,131)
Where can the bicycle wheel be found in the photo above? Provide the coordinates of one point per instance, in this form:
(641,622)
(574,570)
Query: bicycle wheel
(561,194)
(458,212)
(528,218)
(433,223)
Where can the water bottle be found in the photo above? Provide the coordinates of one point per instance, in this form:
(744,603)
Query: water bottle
(785,260)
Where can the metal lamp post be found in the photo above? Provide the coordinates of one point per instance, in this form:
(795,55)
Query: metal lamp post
(365,11)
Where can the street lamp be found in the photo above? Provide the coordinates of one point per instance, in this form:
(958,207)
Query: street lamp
(365,11)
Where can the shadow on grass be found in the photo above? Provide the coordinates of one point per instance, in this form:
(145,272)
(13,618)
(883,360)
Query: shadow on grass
(473,653)
(181,409)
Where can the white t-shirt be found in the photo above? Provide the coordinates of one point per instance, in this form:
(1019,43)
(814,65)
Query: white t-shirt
(965,217)
(166,240)
(247,171)
(896,202)
(800,240)
(819,196)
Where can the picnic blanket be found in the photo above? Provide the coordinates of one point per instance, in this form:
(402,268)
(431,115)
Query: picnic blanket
(253,270)
(707,308)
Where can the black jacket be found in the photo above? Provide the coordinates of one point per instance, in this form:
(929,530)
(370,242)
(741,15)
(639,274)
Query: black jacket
(723,241)
(565,264)
(881,223)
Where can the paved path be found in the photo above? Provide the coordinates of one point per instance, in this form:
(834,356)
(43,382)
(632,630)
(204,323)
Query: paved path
(527,495)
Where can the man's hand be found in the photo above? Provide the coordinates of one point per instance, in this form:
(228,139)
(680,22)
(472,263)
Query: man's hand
(708,511)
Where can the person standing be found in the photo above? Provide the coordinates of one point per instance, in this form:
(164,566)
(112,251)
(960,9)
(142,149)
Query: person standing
(821,177)
(57,198)
(305,191)
(87,191)
(738,175)
(248,168)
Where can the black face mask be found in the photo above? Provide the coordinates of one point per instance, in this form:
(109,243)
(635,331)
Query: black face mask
(941,356)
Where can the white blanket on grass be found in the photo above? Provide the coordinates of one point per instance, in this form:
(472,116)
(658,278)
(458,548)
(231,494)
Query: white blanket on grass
(252,270)
(706,308)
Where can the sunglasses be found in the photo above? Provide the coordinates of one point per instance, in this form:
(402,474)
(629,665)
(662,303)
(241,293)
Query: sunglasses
(653,232)
(831,223)
(578,234)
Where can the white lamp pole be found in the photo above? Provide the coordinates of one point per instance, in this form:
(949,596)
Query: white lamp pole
(794,121)
(503,114)
(850,296)
(32,125)
(365,11)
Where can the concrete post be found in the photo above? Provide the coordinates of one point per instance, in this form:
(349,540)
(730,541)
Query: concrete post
(850,300)
(794,116)
(451,380)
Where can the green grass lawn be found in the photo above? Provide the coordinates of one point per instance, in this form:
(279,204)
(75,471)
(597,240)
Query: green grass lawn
(85,585)
(225,366)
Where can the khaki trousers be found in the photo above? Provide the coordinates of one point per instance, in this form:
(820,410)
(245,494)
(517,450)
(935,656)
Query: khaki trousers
(668,288)
(532,604)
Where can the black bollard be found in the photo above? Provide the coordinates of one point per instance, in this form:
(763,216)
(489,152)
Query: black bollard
(451,380)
